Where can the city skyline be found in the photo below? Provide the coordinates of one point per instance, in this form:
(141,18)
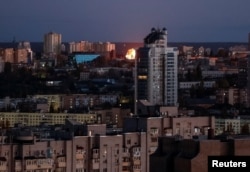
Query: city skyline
(122,21)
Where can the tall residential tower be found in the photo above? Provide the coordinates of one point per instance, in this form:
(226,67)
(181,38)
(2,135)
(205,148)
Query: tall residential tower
(52,43)
(157,66)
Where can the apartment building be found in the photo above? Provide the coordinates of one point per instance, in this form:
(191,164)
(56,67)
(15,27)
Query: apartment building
(65,102)
(155,127)
(81,46)
(52,43)
(21,55)
(8,55)
(192,155)
(9,119)
(123,152)
(133,149)
(232,96)
(239,125)
(188,85)
(113,117)
(105,49)
(157,66)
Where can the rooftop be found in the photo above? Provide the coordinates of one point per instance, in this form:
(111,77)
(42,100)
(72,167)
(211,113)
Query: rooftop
(156,34)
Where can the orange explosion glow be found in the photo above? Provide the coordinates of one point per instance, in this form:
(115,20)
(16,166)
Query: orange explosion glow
(131,54)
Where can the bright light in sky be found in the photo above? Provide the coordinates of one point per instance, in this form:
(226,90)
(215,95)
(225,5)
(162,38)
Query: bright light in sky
(130,55)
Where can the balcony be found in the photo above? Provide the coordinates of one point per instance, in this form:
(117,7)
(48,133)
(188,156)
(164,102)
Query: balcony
(60,169)
(95,155)
(126,163)
(61,164)
(45,163)
(137,162)
(136,168)
(18,165)
(125,153)
(4,167)
(95,164)
(31,167)
(45,166)
(79,165)
(79,156)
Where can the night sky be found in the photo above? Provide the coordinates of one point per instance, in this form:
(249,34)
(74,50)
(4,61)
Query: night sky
(125,20)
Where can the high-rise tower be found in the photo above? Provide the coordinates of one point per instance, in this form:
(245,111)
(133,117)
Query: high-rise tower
(157,66)
(52,43)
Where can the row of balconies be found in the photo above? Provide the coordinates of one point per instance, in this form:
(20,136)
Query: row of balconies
(39,164)
(59,165)
(80,154)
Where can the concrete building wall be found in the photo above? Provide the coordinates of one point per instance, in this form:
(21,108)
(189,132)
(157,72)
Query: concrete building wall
(160,126)
(240,147)
(21,56)
(207,148)
(184,126)
(34,119)
(9,55)
(189,126)
(82,153)
(192,155)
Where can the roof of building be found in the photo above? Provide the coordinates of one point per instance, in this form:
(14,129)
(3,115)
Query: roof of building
(156,34)
(146,103)
(81,58)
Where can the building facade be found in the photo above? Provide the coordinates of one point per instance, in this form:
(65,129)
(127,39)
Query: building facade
(81,46)
(91,149)
(157,70)
(105,49)
(52,43)
(155,127)
(176,155)
(9,119)
(238,125)
(8,55)
(85,153)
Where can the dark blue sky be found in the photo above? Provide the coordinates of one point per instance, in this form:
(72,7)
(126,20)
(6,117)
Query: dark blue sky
(125,20)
